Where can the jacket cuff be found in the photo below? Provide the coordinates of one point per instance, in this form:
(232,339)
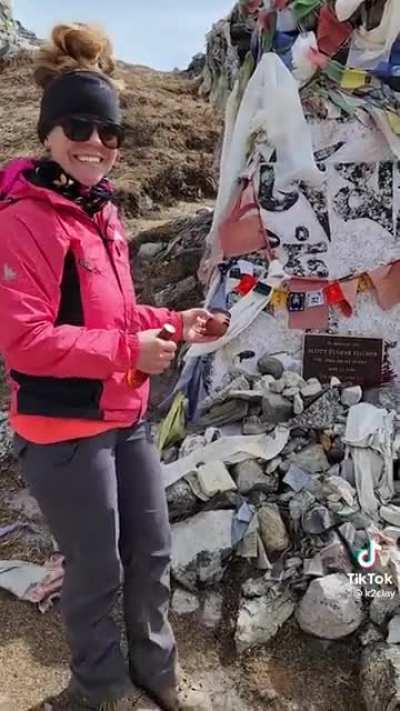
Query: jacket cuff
(134,349)
(177,321)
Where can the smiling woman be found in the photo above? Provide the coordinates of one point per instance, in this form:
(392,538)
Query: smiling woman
(74,337)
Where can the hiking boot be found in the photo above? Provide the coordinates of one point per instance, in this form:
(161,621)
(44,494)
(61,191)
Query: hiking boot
(184,697)
(70,701)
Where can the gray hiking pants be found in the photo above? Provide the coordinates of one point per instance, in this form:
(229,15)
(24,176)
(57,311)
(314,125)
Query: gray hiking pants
(105,504)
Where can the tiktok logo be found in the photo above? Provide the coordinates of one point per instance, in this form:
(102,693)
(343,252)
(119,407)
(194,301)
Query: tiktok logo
(368,557)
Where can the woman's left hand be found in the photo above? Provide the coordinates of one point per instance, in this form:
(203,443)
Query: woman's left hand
(194,323)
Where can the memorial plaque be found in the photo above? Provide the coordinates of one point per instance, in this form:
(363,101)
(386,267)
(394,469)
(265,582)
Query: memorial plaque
(354,360)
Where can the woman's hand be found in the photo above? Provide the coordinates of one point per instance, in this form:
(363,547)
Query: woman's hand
(194,325)
(155,355)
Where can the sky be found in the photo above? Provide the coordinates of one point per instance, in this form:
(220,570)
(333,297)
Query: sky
(163,34)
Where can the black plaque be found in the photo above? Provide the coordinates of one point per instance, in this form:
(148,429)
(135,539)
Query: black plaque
(354,360)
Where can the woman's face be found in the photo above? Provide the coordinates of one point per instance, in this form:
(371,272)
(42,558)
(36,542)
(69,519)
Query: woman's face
(86,161)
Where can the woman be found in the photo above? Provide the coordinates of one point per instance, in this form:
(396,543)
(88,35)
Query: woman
(75,340)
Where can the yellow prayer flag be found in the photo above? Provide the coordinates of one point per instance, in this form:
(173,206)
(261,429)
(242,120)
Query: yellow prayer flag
(394,122)
(278,299)
(353,79)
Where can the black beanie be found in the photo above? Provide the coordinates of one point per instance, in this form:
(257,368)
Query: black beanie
(79,92)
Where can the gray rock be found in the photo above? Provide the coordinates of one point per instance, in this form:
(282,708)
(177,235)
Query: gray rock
(25,504)
(273,465)
(290,393)
(351,396)
(200,548)
(191,443)
(297,478)
(254,425)
(390,514)
(272,529)
(314,566)
(249,475)
(149,250)
(6,442)
(394,630)
(317,520)
(276,408)
(298,405)
(260,619)
(184,602)
(322,413)
(292,379)
(331,608)
(313,459)
(371,635)
(212,610)
(335,558)
(380,677)
(278,386)
(182,502)
(224,413)
(383,606)
(312,389)
(268,365)
(299,504)
(256,587)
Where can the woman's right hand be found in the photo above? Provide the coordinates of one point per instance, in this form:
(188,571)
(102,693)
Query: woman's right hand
(155,355)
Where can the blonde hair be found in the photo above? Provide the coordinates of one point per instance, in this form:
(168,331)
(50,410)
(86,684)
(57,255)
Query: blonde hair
(74,47)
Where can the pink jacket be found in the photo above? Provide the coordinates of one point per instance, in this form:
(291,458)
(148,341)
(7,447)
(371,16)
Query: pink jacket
(58,369)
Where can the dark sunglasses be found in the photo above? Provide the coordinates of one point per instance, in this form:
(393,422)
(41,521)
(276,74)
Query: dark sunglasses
(79,128)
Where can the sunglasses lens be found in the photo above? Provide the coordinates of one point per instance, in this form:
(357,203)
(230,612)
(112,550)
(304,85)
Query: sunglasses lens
(111,135)
(77,129)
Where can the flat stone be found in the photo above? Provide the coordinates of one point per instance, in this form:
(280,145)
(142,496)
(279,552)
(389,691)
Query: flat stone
(200,548)
(394,630)
(184,602)
(268,365)
(312,389)
(224,413)
(351,396)
(276,408)
(260,619)
(272,529)
(249,475)
(297,478)
(212,610)
(390,514)
(312,458)
(335,558)
(330,609)
(380,677)
(314,566)
(317,520)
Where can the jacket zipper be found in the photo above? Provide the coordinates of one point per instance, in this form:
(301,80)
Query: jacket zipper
(106,243)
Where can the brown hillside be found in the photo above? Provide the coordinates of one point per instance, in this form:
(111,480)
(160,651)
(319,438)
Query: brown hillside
(171,134)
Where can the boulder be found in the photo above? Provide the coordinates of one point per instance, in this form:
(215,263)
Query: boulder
(331,608)
(261,617)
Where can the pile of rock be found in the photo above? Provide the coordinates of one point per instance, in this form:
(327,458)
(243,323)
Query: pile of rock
(268,474)
(13,36)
